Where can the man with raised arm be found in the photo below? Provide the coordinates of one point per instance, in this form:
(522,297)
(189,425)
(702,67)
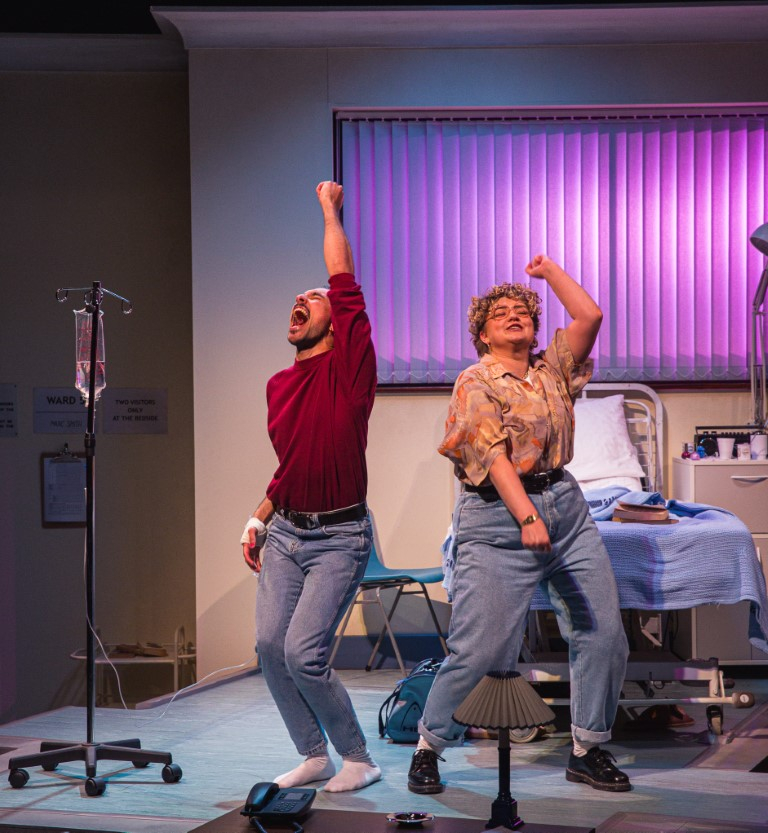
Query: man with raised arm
(313,556)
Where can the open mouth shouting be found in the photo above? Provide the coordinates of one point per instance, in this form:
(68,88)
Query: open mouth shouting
(299,317)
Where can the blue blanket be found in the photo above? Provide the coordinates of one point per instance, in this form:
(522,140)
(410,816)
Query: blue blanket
(708,557)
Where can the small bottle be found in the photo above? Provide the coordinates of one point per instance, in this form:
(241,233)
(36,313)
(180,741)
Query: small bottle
(686,454)
(701,452)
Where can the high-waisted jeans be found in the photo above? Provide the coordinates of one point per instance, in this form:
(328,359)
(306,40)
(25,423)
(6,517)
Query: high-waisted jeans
(494,580)
(307,581)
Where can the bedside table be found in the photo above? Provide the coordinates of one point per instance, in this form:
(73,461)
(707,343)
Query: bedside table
(742,488)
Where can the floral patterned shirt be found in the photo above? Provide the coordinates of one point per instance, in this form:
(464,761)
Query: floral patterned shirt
(530,420)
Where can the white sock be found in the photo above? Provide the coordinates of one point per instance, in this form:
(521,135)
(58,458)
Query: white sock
(316,768)
(355,774)
(580,748)
(425,744)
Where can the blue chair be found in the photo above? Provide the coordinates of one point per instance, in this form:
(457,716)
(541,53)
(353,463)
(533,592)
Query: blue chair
(377,578)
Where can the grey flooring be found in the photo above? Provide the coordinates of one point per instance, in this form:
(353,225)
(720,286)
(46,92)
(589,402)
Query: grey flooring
(230,736)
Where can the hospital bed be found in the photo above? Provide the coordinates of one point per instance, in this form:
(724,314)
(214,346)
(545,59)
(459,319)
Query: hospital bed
(707,557)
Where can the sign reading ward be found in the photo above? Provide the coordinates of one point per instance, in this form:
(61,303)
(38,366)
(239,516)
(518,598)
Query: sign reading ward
(59,411)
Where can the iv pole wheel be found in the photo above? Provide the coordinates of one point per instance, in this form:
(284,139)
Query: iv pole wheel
(17,778)
(171,773)
(95,786)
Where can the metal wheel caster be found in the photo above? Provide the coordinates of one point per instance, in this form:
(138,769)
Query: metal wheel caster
(49,767)
(743,699)
(17,778)
(95,786)
(171,773)
(715,720)
(140,764)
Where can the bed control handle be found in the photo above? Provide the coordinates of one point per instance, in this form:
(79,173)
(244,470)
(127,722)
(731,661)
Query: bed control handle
(747,478)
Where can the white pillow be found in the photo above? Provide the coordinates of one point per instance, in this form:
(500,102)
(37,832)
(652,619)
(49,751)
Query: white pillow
(602,448)
(634,484)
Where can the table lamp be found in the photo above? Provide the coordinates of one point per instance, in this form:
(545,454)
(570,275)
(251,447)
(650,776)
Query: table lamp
(504,700)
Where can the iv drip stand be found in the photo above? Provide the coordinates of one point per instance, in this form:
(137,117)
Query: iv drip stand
(53,753)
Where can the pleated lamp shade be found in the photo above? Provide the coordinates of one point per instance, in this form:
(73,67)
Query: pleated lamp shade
(504,700)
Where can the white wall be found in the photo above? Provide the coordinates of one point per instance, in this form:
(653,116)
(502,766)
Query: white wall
(261,138)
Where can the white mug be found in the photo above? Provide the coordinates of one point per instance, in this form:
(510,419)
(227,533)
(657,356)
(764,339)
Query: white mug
(725,447)
(758,445)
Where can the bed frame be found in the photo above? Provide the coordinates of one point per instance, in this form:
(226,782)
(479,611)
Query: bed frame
(651,669)
(645,424)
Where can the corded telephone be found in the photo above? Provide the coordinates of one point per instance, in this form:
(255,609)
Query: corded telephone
(274,805)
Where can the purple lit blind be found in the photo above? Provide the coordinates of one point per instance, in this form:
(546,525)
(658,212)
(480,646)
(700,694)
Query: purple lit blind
(651,216)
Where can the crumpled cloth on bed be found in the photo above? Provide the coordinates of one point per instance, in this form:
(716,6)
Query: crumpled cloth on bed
(708,557)
(602,502)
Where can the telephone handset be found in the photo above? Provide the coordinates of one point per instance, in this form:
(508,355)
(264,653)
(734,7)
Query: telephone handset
(273,804)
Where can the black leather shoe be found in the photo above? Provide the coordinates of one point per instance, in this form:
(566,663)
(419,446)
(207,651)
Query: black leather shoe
(423,776)
(596,769)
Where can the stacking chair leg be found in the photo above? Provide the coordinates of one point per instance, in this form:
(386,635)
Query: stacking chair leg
(387,629)
(387,617)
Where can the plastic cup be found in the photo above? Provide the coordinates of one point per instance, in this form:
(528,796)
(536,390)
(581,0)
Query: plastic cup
(758,445)
(725,447)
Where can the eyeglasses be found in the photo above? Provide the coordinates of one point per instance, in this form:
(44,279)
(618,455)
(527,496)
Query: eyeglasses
(501,312)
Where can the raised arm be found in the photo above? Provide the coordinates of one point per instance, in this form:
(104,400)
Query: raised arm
(586,314)
(336,248)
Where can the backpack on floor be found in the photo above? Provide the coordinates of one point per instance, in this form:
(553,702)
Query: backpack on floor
(400,713)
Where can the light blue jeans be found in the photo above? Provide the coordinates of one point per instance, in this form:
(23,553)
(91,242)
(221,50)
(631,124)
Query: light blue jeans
(494,580)
(307,581)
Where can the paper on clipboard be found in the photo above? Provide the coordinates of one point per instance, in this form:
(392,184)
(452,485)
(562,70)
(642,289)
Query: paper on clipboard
(63,489)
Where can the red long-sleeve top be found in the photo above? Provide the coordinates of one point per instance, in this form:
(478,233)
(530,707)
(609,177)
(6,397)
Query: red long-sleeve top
(318,412)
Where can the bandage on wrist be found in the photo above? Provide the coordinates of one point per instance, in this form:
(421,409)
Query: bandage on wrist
(261,532)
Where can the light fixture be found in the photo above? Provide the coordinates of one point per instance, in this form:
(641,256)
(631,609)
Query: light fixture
(503,701)
(757,387)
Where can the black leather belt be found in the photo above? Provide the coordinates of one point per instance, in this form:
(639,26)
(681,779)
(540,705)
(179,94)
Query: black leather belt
(314,520)
(534,484)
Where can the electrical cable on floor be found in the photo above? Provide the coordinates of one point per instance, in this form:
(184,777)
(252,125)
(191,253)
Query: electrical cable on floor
(93,630)
(117,675)
(194,685)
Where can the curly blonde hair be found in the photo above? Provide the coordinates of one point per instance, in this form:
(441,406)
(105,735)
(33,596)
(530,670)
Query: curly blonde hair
(482,304)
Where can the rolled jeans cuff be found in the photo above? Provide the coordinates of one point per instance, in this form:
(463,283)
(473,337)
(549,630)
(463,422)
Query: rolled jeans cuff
(587,736)
(434,740)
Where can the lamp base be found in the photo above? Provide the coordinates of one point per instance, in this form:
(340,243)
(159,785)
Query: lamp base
(504,814)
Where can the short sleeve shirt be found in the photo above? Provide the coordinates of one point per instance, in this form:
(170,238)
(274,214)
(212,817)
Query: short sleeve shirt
(530,420)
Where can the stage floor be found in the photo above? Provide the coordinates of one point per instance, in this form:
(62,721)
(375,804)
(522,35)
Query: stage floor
(228,737)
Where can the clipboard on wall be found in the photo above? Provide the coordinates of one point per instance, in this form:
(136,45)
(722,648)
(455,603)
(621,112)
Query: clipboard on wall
(62,480)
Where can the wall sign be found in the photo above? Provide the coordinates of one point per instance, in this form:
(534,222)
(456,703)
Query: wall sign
(8,411)
(59,411)
(135,411)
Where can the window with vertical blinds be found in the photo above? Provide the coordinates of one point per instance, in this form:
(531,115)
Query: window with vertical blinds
(651,214)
